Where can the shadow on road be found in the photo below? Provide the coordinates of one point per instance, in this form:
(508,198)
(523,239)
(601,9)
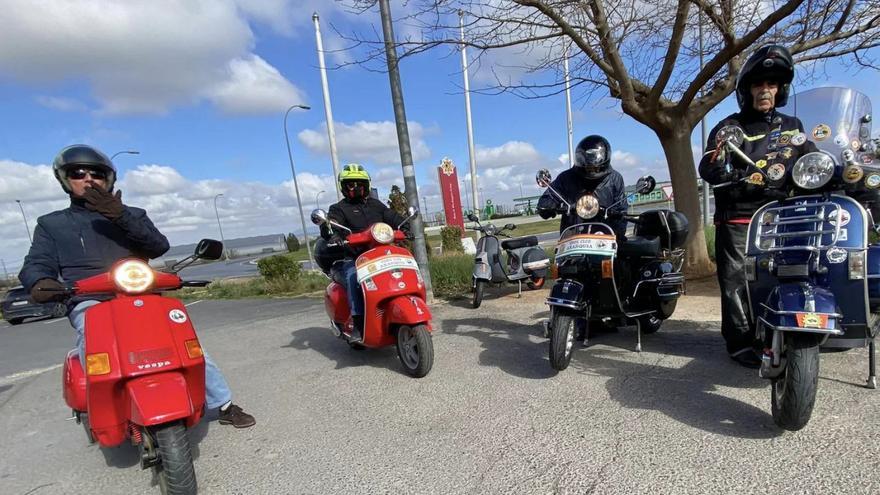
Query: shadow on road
(321,340)
(689,394)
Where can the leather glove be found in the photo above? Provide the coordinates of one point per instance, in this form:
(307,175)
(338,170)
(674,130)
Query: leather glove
(546,214)
(104,202)
(47,290)
(336,240)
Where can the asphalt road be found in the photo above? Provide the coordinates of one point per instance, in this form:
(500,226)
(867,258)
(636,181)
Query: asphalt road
(491,417)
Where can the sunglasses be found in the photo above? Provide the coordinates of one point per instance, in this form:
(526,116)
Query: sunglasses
(81,173)
(355,183)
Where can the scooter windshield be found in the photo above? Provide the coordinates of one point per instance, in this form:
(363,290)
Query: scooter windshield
(835,120)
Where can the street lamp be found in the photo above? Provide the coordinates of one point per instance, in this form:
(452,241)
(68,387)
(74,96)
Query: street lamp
(23,217)
(316,199)
(302,217)
(225,251)
(127,152)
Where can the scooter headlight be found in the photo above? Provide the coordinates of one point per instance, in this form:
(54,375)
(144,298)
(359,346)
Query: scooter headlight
(587,206)
(133,276)
(813,170)
(382,233)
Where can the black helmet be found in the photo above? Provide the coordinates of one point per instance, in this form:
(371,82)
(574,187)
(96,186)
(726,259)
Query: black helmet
(593,155)
(770,62)
(82,155)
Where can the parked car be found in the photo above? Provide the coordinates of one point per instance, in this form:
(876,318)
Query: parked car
(17,305)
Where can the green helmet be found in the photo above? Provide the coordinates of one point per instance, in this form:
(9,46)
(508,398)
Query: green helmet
(359,179)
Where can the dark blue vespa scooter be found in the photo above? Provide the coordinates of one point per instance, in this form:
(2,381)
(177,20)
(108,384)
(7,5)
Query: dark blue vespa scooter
(811,274)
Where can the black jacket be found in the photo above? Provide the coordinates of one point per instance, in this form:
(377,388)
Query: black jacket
(572,184)
(359,215)
(739,201)
(75,243)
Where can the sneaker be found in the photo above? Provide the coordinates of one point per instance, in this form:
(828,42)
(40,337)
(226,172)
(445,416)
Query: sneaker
(747,358)
(233,415)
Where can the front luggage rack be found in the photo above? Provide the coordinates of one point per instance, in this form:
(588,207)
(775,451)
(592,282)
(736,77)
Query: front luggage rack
(780,225)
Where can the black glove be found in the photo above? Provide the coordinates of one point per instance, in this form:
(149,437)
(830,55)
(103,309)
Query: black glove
(336,240)
(613,215)
(47,290)
(104,202)
(546,214)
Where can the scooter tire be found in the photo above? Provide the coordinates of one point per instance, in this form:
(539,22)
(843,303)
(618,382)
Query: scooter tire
(562,337)
(479,285)
(793,394)
(176,473)
(84,421)
(415,348)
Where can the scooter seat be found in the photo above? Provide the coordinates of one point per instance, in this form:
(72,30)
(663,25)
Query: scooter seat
(638,247)
(519,242)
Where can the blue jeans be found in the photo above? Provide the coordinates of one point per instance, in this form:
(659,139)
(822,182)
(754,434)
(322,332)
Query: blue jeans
(355,295)
(217,390)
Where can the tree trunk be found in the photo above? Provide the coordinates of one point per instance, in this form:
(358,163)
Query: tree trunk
(680,160)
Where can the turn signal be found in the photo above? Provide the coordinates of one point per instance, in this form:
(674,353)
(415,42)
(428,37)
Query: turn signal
(606,269)
(193,349)
(98,364)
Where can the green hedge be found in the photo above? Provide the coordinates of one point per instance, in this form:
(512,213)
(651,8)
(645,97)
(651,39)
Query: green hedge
(279,267)
(450,237)
(451,275)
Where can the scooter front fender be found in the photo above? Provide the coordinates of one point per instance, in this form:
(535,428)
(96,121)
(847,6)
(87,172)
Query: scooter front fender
(800,307)
(567,293)
(159,398)
(482,271)
(407,310)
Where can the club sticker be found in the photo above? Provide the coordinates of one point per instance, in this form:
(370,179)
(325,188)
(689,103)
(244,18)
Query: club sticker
(761,163)
(855,144)
(784,139)
(786,153)
(772,156)
(867,159)
(799,139)
(841,140)
(758,179)
(844,217)
(872,181)
(853,174)
(776,171)
(177,316)
(821,132)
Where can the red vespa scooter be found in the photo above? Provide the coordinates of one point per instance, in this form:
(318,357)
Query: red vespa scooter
(144,375)
(395,312)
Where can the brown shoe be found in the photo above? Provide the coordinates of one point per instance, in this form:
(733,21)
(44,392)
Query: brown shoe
(233,415)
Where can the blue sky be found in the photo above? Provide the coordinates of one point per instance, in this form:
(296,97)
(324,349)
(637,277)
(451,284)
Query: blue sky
(200,89)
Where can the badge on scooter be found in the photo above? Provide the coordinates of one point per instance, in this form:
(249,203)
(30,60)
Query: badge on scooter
(867,159)
(872,181)
(786,153)
(776,172)
(853,174)
(844,217)
(758,179)
(784,139)
(855,144)
(177,316)
(799,139)
(821,132)
(761,163)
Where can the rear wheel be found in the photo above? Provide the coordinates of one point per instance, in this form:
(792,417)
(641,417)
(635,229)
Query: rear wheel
(59,310)
(479,284)
(793,394)
(175,469)
(15,321)
(84,421)
(415,350)
(562,337)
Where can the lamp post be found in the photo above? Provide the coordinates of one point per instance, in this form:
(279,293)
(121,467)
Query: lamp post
(126,152)
(316,199)
(225,251)
(23,217)
(302,217)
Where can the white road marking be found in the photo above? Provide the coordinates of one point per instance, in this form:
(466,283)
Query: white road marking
(53,321)
(26,374)
(194,302)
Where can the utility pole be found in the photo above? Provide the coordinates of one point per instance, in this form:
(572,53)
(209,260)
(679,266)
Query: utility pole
(406,162)
(703,132)
(467,110)
(568,111)
(328,111)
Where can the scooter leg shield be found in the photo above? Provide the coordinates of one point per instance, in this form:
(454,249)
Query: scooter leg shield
(159,398)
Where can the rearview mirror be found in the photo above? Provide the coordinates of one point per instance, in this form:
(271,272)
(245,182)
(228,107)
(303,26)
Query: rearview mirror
(472,217)
(209,249)
(543,177)
(412,211)
(732,134)
(319,217)
(645,184)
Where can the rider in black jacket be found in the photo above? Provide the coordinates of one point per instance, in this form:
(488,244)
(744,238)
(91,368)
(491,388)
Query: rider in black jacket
(773,142)
(592,173)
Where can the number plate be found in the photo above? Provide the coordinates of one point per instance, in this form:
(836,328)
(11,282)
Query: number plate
(812,320)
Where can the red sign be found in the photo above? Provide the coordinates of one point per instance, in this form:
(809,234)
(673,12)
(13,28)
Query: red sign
(451,194)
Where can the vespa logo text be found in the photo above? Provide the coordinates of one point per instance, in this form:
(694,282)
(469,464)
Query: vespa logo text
(160,364)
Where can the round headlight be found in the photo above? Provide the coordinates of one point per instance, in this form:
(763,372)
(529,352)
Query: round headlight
(813,170)
(382,233)
(587,206)
(133,276)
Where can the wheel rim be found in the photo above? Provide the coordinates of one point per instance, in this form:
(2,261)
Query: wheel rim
(409,348)
(569,337)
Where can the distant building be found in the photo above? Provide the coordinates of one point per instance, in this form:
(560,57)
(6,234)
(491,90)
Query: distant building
(244,246)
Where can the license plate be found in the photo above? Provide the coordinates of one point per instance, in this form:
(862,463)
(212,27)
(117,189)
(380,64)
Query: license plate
(812,320)
(19,303)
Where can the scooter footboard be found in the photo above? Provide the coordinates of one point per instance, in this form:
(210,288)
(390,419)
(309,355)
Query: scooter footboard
(159,398)
(800,307)
(407,310)
(567,294)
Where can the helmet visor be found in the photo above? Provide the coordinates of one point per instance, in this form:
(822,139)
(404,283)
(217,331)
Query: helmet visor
(593,158)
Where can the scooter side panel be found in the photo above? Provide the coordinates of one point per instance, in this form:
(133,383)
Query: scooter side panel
(336,303)
(74,382)
(159,398)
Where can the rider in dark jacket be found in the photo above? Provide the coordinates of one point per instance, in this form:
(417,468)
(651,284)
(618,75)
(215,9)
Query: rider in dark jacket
(592,173)
(87,238)
(773,142)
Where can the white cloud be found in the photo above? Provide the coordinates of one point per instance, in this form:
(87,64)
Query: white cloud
(147,180)
(62,104)
(371,142)
(141,57)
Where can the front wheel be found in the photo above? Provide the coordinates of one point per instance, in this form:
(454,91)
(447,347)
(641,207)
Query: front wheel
(793,394)
(479,284)
(649,323)
(175,469)
(562,337)
(415,350)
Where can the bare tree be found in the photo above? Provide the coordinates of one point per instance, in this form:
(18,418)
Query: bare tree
(645,54)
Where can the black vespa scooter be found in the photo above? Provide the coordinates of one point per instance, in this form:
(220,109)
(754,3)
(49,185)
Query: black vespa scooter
(525,260)
(638,281)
